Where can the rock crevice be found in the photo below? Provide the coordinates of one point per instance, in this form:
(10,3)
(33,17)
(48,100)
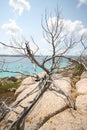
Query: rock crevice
(52,112)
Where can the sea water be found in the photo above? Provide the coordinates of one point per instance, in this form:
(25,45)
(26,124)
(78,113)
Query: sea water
(21,64)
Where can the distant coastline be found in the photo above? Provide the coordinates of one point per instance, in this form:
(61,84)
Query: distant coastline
(12,55)
(6,55)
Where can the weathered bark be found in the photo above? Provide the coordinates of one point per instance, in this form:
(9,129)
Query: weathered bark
(16,124)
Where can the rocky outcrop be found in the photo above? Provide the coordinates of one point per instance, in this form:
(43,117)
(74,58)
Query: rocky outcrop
(52,111)
(81,86)
(25,84)
(64,84)
(81,103)
(66,120)
(84,75)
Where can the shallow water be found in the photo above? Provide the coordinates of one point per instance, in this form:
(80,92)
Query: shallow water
(21,64)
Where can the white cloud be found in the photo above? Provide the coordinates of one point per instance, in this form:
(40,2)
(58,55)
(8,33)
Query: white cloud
(19,5)
(83,32)
(81,2)
(76,29)
(11,27)
(73,27)
(70,27)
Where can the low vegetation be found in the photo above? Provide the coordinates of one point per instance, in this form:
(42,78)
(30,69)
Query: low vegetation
(7,86)
(78,69)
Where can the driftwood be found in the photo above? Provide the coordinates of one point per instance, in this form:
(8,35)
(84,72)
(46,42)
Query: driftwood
(43,86)
(54,38)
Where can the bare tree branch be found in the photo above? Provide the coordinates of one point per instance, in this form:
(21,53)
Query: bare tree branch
(60,44)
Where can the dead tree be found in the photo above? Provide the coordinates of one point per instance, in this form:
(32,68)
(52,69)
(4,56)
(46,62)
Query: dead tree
(60,46)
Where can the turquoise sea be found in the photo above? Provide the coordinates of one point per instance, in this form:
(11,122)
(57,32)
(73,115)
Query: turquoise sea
(20,64)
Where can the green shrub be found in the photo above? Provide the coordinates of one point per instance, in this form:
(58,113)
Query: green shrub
(78,69)
(6,86)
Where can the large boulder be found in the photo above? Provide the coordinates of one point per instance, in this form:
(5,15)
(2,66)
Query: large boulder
(50,102)
(25,84)
(27,92)
(48,105)
(66,120)
(81,103)
(52,111)
(81,86)
(84,75)
(64,84)
(69,119)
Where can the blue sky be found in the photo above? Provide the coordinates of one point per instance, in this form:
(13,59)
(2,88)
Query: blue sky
(23,18)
